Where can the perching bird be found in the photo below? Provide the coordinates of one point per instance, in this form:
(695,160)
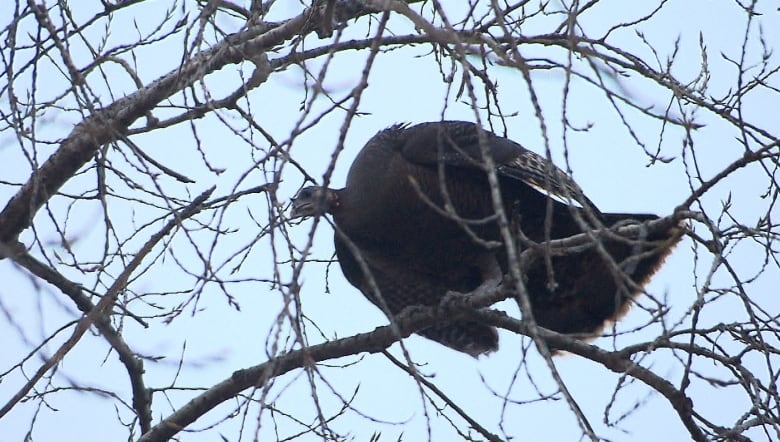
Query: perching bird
(418,243)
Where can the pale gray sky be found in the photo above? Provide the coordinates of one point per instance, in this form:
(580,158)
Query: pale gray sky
(405,86)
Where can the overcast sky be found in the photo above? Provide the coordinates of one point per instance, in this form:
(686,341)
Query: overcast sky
(405,86)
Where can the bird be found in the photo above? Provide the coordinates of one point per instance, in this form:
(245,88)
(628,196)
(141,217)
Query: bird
(416,220)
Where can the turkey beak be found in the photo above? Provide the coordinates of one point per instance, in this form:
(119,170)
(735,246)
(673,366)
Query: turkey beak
(300,208)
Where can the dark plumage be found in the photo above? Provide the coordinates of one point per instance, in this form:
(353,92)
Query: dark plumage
(416,253)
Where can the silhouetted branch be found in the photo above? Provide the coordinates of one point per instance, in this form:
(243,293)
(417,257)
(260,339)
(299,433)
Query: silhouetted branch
(98,314)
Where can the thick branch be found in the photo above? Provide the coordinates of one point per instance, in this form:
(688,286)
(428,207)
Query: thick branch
(408,322)
(133,365)
(614,361)
(381,338)
(98,312)
(107,123)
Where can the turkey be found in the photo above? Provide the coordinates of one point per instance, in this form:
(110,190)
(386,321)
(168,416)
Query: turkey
(416,220)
